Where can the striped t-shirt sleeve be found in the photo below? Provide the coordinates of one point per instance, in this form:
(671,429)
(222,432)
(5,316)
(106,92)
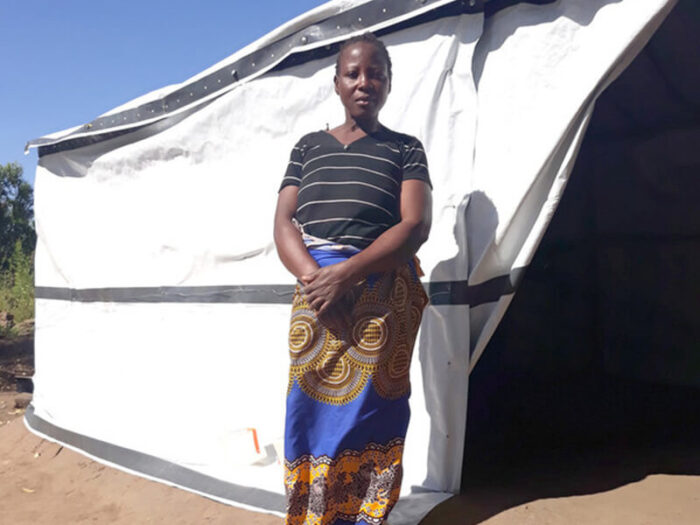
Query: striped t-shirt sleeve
(415,162)
(292,177)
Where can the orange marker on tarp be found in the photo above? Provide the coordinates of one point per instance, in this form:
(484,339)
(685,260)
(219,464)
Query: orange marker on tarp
(255,439)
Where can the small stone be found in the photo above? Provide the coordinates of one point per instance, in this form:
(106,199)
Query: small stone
(6,320)
(26,327)
(22,401)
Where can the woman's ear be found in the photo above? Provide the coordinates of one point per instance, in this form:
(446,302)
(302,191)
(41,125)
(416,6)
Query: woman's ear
(335,84)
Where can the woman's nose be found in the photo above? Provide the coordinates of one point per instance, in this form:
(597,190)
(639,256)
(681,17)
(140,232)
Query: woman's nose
(363,81)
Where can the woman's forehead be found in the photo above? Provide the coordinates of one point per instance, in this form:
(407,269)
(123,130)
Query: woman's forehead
(362,51)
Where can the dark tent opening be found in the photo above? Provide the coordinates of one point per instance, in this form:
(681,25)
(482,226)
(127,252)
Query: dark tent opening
(597,361)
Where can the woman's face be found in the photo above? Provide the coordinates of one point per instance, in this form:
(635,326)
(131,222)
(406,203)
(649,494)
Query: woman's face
(362,81)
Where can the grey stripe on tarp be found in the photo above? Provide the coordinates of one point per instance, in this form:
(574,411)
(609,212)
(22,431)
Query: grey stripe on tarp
(494,6)
(461,292)
(350,21)
(347,22)
(158,468)
(440,293)
(251,294)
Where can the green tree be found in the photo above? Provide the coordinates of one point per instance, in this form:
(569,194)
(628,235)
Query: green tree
(16,214)
(17,285)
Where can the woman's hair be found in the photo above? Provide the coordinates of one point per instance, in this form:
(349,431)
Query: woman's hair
(367,38)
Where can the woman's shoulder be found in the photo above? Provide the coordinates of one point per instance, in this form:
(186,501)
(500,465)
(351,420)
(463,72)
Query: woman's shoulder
(312,138)
(413,157)
(402,139)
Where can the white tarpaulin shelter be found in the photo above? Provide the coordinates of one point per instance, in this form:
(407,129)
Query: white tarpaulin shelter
(155,263)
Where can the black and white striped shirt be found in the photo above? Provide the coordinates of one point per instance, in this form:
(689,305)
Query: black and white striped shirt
(350,194)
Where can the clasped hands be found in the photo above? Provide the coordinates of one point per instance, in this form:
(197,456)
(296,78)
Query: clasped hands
(329,292)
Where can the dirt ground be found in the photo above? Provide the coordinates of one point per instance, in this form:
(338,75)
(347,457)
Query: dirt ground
(16,359)
(44,483)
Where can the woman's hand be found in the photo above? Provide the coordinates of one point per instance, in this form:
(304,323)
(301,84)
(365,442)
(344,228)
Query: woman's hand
(338,316)
(325,287)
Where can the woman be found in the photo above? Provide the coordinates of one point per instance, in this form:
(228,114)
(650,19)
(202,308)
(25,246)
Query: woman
(353,209)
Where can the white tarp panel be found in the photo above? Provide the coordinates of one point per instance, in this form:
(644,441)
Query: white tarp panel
(183,208)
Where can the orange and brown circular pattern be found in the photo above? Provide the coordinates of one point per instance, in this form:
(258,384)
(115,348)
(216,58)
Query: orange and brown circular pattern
(372,336)
(334,366)
(334,380)
(306,337)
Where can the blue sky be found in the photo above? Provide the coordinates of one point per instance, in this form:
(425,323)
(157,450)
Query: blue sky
(62,63)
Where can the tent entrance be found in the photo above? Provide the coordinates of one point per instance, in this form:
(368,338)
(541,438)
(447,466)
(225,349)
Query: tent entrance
(599,350)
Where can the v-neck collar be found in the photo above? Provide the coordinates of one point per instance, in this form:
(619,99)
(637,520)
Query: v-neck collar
(342,145)
(376,135)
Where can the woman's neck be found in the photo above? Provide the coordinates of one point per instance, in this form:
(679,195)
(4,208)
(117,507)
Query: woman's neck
(352,125)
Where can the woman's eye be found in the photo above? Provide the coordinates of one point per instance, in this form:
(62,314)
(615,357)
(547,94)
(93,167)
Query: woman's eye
(376,74)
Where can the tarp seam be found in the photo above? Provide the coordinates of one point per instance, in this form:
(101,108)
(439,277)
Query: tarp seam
(440,293)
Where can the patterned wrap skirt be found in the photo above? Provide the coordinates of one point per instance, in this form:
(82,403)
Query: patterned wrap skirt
(347,402)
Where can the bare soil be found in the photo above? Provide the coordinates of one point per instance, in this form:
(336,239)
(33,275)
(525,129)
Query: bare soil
(16,359)
(42,483)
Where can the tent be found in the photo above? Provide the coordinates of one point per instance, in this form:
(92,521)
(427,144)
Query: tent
(155,262)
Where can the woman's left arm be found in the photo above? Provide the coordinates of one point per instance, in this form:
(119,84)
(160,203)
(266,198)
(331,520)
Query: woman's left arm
(394,247)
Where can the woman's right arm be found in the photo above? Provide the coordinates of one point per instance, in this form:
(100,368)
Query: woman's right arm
(288,241)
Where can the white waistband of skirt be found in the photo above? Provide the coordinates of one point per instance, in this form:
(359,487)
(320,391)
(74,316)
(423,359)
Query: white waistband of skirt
(316,243)
(325,245)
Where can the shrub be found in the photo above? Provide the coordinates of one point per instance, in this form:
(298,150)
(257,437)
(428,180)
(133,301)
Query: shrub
(17,285)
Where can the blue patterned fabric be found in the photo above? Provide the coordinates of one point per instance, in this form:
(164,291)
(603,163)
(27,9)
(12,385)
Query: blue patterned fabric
(347,403)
